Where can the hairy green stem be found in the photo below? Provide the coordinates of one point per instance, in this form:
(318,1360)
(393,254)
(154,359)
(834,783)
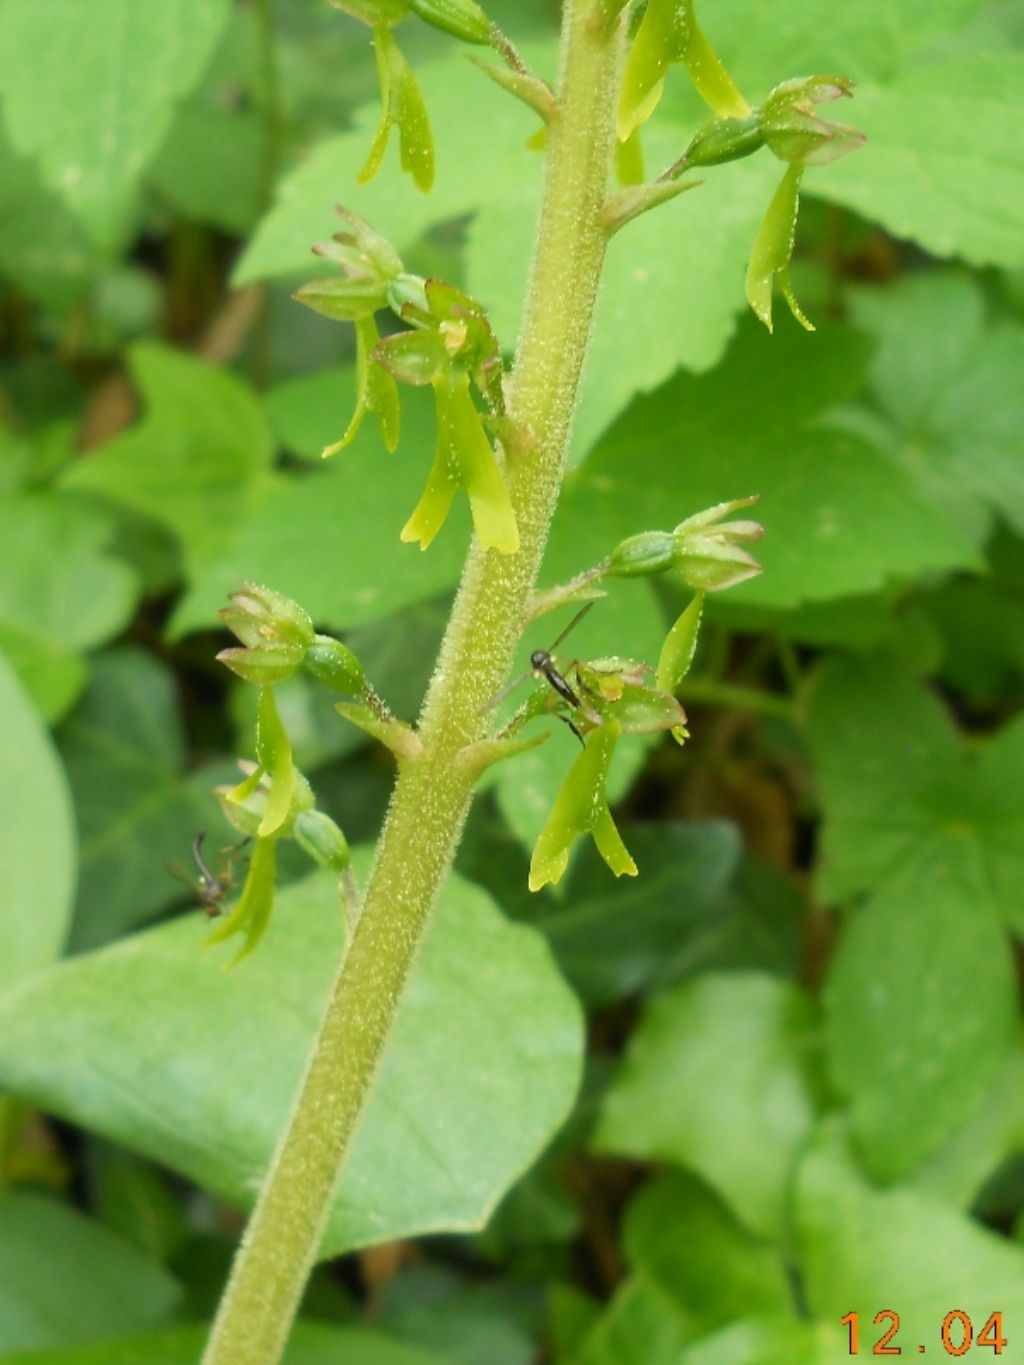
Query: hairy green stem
(432,795)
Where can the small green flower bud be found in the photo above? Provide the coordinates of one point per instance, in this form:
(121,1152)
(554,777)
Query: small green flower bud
(263,664)
(262,616)
(795,133)
(319,837)
(333,664)
(360,250)
(462,18)
(649,552)
(707,550)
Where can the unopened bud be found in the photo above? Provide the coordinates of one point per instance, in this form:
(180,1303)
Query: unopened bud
(462,18)
(334,664)
(319,837)
(261,616)
(647,553)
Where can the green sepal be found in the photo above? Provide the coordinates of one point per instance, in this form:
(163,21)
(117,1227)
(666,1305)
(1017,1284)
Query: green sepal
(321,839)
(376,392)
(374,12)
(581,807)
(773,250)
(335,665)
(794,132)
(669,33)
(252,913)
(616,689)
(342,299)
(708,552)
(463,460)
(263,664)
(274,755)
(680,646)
(360,251)
(401,739)
(461,18)
(245,805)
(402,107)
(412,357)
(677,655)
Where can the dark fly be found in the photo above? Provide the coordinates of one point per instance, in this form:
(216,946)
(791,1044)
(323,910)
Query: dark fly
(210,887)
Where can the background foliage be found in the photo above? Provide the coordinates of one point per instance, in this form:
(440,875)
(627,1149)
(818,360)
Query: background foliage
(803,1075)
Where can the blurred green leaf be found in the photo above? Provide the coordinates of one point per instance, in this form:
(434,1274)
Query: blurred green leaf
(772,1341)
(90,90)
(907,801)
(839,518)
(643,1322)
(309,1344)
(61,592)
(37,850)
(978,1147)
(694,908)
(124,749)
(65,1279)
(136,1201)
(196,463)
(211,168)
(949,382)
(43,250)
(982,635)
(920,1004)
(684,1238)
(486,1002)
(354,505)
(862,1249)
(720,1077)
(940,165)
(466,1322)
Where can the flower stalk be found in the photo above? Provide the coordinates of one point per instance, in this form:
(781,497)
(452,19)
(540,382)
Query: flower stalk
(433,790)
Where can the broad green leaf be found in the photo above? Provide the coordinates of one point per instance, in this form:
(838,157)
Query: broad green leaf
(863,1249)
(486,1002)
(37,848)
(839,517)
(950,385)
(124,750)
(136,1201)
(907,801)
(684,1238)
(196,462)
(694,907)
(940,166)
(720,1078)
(772,1341)
(642,1322)
(61,592)
(309,1344)
(981,629)
(352,506)
(934,1036)
(90,90)
(65,1279)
